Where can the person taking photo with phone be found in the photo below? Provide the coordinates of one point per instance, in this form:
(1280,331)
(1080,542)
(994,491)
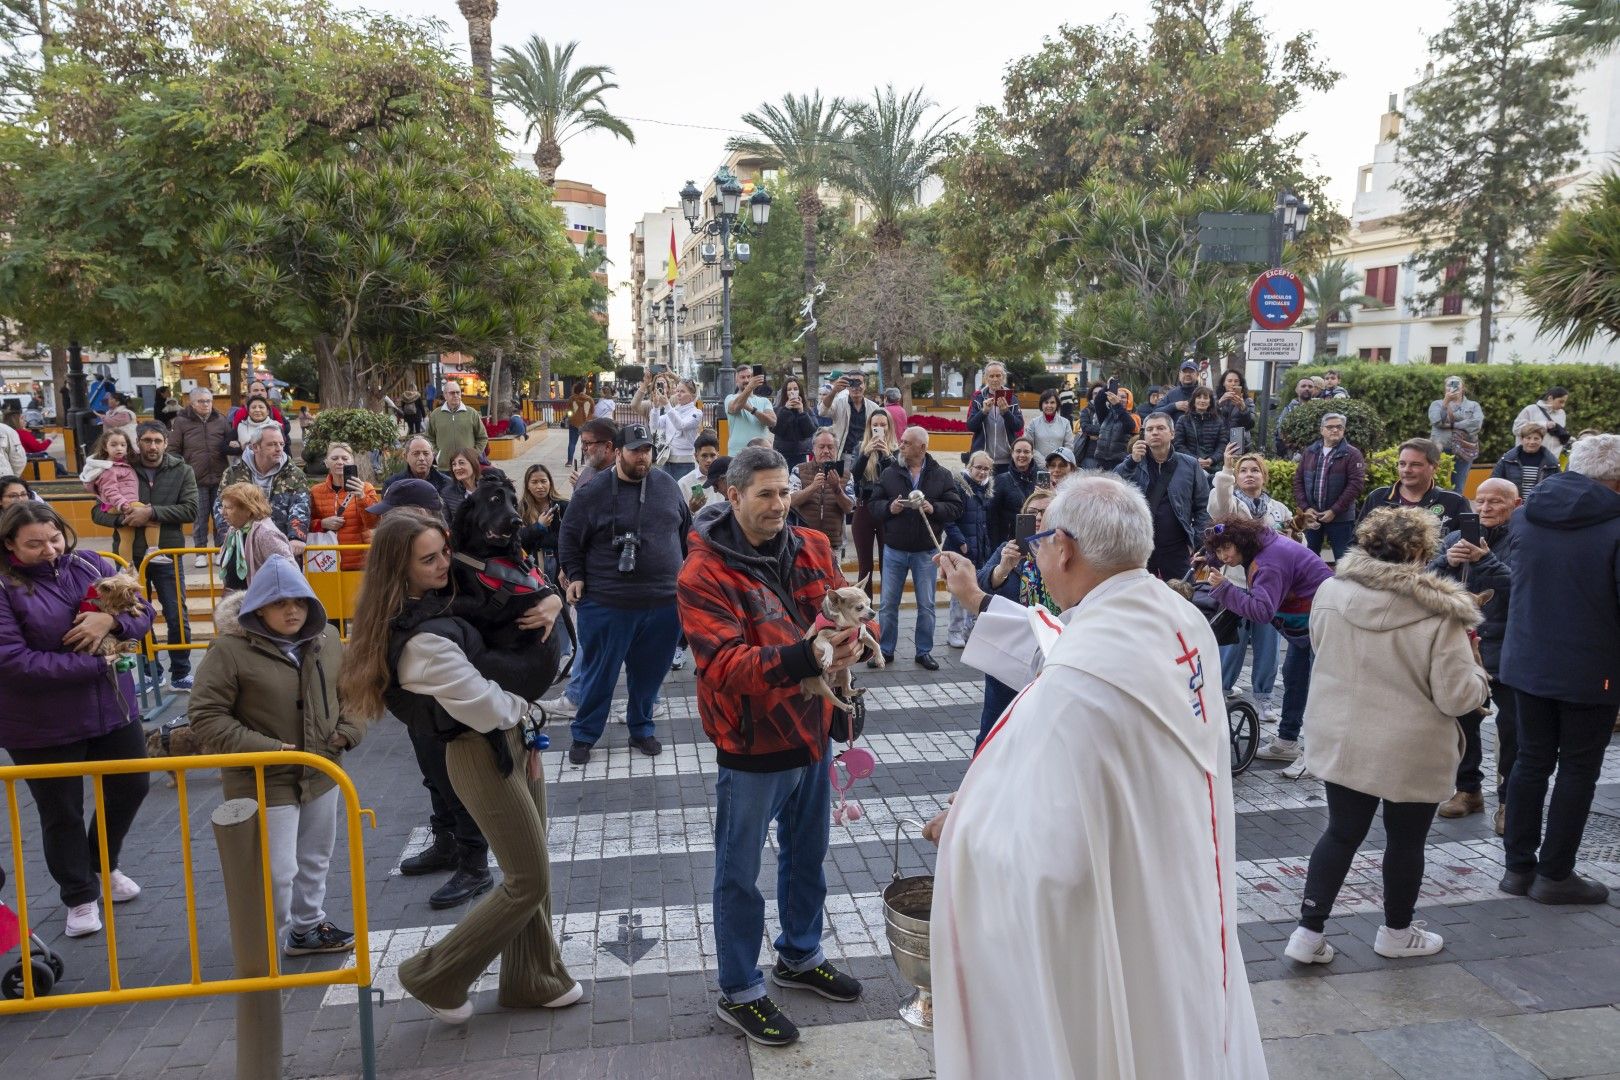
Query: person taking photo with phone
(994,417)
(795,422)
(1455,422)
(337,501)
(820,492)
(1177,491)
(749,414)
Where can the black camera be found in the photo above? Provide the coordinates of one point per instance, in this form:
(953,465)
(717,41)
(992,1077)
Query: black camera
(626,544)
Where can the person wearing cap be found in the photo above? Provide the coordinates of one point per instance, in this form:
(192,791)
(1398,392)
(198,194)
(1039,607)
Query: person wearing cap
(621,546)
(408,491)
(1179,399)
(1059,463)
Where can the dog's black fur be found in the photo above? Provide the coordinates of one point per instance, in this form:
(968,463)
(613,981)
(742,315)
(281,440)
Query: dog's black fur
(486,526)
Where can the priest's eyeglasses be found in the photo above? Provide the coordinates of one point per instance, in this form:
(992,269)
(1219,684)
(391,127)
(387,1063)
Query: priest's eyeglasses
(1036,539)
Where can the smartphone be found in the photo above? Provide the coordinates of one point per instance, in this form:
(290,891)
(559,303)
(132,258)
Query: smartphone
(1468,525)
(833,467)
(350,472)
(1043,478)
(1113,386)
(1453,383)
(1023,529)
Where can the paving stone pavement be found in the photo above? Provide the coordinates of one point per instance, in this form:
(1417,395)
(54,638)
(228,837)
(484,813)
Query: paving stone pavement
(1520,990)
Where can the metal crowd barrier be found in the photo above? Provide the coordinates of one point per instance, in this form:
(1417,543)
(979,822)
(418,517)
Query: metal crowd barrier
(358,976)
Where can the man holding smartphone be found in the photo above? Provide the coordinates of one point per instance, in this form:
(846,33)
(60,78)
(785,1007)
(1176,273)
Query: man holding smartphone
(820,490)
(749,415)
(994,417)
(846,403)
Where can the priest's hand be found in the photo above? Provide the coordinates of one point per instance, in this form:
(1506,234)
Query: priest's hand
(961,579)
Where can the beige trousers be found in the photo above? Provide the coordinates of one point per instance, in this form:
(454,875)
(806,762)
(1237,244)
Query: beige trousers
(513,921)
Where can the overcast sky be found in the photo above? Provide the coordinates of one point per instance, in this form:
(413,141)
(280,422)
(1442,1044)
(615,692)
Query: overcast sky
(686,74)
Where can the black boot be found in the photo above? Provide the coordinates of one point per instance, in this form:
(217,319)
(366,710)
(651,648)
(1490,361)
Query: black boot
(463,885)
(439,856)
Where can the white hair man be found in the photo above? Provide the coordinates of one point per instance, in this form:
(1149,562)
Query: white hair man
(1561,656)
(1084,919)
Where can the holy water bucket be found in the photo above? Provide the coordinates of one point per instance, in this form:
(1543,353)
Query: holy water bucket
(907,903)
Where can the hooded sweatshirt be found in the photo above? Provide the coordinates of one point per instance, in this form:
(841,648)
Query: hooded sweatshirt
(256,689)
(1563,624)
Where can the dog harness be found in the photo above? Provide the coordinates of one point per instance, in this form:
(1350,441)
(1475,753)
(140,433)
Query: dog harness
(505,578)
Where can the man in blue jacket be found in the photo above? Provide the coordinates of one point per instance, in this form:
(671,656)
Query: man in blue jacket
(1177,492)
(1561,656)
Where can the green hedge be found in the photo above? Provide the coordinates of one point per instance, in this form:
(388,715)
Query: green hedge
(1364,427)
(1380,471)
(1401,394)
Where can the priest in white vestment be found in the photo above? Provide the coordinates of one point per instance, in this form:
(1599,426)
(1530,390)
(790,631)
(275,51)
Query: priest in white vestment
(1084,919)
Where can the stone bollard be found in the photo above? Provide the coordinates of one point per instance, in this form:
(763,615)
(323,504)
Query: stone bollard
(258,1015)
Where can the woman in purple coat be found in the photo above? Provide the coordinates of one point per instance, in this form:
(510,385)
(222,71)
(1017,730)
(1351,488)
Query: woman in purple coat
(64,702)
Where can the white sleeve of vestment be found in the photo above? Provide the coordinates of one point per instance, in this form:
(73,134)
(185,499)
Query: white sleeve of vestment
(1003,645)
(434,667)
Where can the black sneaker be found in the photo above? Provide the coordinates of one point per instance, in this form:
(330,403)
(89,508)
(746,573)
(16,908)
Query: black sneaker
(824,979)
(760,1020)
(462,886)
(579,753)
(1575,889)
(649,745)
(325,938)
(1517,882)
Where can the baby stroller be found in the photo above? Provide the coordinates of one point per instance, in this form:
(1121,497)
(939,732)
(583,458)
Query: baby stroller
(47,965)
(1242,715)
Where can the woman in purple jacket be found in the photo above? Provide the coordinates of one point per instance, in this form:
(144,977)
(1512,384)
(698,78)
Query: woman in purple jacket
(1282,578)
(64,702)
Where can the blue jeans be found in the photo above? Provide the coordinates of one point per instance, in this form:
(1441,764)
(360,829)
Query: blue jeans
(573,441)
(642,641)
(160,579)
(800,802)
(1340,535)
(1296,673)
(1459,475)
(997,696)
(1263,679)
(896,564)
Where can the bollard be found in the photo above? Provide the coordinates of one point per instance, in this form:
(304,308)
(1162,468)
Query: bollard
(258,1015)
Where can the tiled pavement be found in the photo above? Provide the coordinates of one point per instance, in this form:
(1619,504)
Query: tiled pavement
(1520,990)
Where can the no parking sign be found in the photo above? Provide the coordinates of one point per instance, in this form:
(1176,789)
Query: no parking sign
(1276,300)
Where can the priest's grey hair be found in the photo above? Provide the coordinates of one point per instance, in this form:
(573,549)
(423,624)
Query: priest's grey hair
(1597,456)
(1108,518)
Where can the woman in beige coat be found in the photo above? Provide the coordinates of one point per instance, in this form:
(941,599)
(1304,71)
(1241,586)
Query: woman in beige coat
(1394,669)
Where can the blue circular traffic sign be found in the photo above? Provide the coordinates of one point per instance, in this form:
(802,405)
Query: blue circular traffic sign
(1277,300)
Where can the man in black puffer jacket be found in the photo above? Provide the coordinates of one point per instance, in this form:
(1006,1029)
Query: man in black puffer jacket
(911,525)
(1486,568)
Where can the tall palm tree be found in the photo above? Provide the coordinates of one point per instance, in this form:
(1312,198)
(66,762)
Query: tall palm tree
(889,153)
(558,101)
(803,136)
(479,15)
(1587,25)
(1571,280)
(1327,288)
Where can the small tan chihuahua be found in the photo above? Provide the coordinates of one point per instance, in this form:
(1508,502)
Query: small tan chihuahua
(840,610)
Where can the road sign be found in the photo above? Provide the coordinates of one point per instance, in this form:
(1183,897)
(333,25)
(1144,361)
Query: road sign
(1234,238)
(1277,346)
(1277,300)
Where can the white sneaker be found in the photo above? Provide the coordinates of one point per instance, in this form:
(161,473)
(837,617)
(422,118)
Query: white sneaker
(1308,947)
(1297,771)
(1275,749)
(619,714)
(558,707)
(123,888)
(200,562)
(956,641)
(679,661)
(566,998)
(84,920)
(1413,941)
(458,1015)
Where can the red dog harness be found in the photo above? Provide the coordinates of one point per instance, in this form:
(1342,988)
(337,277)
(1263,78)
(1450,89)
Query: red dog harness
(504,578)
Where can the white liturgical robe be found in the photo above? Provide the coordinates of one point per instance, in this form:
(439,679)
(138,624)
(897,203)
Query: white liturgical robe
(1084,909)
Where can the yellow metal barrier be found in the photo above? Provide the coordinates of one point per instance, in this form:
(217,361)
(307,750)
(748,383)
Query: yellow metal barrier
(358,976)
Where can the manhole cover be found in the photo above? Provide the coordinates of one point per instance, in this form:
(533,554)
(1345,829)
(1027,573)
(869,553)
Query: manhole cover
(1602,840)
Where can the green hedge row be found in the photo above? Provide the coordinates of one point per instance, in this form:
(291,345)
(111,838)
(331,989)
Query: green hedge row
(1401,394)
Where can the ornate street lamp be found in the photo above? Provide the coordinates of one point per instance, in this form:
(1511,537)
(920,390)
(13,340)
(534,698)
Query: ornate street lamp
(724,207)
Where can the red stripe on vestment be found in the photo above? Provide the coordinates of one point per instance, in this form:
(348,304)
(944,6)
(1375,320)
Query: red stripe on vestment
(1004,718)
(1220,891)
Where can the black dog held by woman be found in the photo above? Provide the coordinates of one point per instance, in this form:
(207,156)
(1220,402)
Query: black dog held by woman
(496,583)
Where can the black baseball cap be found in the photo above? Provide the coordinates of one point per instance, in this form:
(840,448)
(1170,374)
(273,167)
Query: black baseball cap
(634,437)
(1189,365)
(408,491)
(717,471)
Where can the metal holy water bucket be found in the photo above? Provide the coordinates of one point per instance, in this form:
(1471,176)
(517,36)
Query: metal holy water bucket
(907,904)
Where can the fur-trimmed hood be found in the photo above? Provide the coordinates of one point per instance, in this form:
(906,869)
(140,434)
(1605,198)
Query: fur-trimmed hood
(1393,595)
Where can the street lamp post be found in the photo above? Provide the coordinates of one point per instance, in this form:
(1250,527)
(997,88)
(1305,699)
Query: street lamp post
(673,316)
(723,210)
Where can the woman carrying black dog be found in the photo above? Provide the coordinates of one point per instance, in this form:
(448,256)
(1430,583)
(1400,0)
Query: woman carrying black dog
(406,653)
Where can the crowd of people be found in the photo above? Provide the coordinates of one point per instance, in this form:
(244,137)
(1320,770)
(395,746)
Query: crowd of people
(1434,614)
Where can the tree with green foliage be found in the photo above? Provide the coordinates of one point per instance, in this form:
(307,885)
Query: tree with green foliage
(558,100)
(803,137)
(1333,288)
(414,242)
(1486,141)
(1587,25)
(1572,279)
(891,148)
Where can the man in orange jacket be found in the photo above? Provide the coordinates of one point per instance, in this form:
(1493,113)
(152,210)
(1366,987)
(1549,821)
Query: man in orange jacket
(750,589)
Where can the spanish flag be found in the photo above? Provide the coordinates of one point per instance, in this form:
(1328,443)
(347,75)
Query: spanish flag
(674,259)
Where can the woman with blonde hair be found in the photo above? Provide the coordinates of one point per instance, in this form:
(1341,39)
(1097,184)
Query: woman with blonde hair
(1240,491)
(1394,669)
(252,538)
(877,452)
(408,655)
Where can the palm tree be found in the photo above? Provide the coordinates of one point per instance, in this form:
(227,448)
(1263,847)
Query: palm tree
(802,136)
(479,15)
(558,102)
(888,155)
(1571,281)
(1326,289)
(1587,25)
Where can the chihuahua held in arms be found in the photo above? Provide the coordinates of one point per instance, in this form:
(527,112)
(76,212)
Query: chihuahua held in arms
(840,610)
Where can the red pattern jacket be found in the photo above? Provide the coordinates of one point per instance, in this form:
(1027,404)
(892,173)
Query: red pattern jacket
(749,648)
